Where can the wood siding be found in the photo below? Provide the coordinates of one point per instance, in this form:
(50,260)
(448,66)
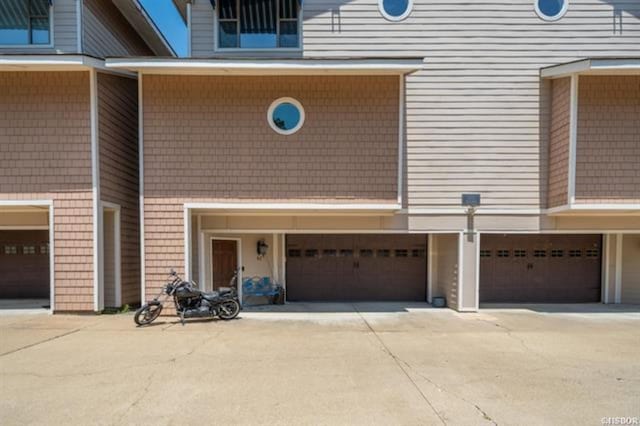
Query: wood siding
(45,153)
(608,142)
(118,139)
(208,138)
(473,113)
(106,32)
(64,31)
(559,142)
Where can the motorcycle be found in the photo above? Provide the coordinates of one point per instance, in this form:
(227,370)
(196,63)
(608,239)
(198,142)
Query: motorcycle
(191,302)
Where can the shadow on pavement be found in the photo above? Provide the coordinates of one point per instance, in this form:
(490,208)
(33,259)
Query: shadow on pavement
(580,308)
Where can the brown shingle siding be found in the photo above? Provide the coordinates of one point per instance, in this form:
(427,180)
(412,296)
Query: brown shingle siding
(118,139)
(559,142)
(608,145)
(45,153)
(208,138)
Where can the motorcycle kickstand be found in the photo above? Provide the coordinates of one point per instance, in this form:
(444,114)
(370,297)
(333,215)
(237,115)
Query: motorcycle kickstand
(182,318)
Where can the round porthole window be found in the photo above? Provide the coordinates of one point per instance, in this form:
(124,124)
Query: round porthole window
(285,116)
(551,10)
(395,10)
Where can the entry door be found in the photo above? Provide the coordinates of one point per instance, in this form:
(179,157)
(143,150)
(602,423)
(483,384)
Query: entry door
(109,253)
(356,267)
(224,261)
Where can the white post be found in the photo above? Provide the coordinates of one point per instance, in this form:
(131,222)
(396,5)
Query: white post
(618,287)
(187,244)
(429,268)
(276,258)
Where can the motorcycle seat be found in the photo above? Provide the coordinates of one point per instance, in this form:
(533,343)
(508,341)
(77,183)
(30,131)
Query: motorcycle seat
(211,296)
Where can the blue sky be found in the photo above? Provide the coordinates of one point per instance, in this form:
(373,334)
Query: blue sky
(167,18)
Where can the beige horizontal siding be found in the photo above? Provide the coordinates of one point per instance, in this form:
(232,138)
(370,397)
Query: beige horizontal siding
(45,153)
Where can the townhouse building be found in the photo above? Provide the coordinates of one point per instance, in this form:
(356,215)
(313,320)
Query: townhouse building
(482,151)
(69,228)
(377,150)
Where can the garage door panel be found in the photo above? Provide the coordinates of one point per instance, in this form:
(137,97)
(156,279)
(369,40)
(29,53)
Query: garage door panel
(356,267)
(24,264)
(540,268)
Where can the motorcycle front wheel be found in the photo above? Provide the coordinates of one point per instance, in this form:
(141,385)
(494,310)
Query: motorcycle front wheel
(229,309)
(147,314)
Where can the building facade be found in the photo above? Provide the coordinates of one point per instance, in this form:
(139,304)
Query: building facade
(480,151)
(343,134)
(69,215)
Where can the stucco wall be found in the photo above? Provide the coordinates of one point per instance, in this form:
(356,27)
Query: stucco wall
(118,139)
(608,144)
(45,153)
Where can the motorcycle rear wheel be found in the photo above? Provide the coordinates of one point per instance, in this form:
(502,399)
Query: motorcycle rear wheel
(147,314)
(229,309)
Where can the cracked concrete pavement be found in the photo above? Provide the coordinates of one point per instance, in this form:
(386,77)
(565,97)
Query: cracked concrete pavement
(325,364)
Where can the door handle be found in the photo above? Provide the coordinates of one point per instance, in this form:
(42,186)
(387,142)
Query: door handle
(529,265)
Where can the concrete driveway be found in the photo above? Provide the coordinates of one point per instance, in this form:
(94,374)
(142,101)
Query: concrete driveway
(325,364)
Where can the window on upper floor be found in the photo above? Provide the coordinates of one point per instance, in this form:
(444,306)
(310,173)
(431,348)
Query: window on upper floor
(25,22)
(395,10)
(258,24)
(551,10)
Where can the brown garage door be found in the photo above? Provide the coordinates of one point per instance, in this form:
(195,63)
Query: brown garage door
(24,264)
(540,268)
(356,267)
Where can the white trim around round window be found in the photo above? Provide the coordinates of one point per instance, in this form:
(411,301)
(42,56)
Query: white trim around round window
(275,104)
(542,15)
(395,18)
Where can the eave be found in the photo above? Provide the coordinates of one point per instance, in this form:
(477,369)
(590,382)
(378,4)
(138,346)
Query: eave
(594,66)
(138,17)
(55,62)
(268,66)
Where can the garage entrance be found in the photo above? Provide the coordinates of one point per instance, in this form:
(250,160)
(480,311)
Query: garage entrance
(24,265)
(540,268)
(350,267)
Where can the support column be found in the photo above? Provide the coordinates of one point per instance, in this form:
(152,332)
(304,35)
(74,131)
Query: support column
(469,271)
(612,268)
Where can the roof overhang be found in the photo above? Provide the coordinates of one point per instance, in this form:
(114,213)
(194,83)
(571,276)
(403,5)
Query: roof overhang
(332,209)
(604,209)
(10,62)
(138,17)
(594,66)
(262,66)
(181,6)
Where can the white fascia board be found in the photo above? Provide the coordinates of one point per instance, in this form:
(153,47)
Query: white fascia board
(55,63)
(593,66)
(479,211)
(266,66)
(293,207)
(603,208)
(11,203)
(78,61)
